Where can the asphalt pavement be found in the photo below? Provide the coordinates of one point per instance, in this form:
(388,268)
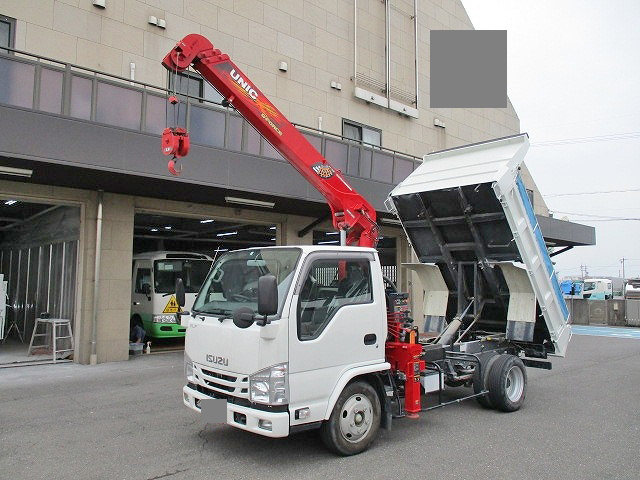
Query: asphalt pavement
(126,421)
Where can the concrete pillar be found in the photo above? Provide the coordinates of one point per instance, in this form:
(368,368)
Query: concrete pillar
(114,282)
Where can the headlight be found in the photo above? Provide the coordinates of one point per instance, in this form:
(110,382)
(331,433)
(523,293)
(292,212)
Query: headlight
(164,318)
(271,385)
(188,368)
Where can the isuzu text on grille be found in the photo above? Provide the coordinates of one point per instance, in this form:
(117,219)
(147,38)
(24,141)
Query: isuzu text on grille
(218,360)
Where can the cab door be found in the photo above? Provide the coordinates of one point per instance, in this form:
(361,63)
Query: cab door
(337,323)
(141,297)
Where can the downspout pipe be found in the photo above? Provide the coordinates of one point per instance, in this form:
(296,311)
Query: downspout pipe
(93,359)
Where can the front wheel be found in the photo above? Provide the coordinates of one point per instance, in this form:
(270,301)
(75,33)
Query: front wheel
(354,421)
(507,383)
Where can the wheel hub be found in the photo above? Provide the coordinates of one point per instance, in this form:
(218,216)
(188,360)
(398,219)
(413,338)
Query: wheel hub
(514,384)
(356,418)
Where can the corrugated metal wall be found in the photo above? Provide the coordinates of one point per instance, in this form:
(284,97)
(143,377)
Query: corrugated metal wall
(41,279)
(39,260)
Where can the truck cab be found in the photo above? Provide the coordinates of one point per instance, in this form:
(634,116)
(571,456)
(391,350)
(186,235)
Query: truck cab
(286,371)
(597,288)
(153,303)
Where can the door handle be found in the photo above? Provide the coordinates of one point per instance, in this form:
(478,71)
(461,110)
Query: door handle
(370,338)
(136,303)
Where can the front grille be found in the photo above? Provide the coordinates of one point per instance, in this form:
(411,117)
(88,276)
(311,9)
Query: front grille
(221,383)
(219,386)
(221,376)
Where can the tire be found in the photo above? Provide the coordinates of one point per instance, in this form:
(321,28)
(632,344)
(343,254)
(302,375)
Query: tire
(480,384)
(354,421)
(507,383)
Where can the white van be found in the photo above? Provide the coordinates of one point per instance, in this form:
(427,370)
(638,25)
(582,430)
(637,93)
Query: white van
(153,300)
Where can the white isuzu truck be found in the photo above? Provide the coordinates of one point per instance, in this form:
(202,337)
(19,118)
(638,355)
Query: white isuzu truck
(283,339)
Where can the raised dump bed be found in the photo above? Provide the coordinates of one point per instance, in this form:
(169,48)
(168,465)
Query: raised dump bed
(468,216)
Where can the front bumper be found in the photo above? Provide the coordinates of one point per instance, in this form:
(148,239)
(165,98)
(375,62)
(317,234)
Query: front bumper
(165,330)
(245,418)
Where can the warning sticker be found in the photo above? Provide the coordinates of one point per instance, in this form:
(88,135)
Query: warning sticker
(172,306)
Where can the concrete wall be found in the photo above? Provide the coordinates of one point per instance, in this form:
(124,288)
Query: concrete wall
(315,38)
(600,312)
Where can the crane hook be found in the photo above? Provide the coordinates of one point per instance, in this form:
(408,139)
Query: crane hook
(173,167)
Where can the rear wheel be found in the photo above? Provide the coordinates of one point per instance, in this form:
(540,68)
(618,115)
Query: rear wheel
(481,378)
(354,421)
(507,383)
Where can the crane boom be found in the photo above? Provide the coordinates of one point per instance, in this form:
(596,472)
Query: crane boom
(349,210)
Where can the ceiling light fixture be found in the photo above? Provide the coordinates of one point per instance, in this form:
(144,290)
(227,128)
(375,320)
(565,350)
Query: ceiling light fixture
(226,234)
(17,172)
(249,202)
(11,202)
(206,221)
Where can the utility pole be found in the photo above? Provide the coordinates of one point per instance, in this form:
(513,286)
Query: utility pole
(622,261)
(583,271)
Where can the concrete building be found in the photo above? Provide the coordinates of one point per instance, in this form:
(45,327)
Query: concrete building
(84,101)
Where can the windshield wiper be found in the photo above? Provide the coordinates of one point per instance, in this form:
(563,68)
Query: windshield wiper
(225,314)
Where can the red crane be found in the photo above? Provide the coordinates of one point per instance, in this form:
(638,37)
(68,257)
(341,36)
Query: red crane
(349,210)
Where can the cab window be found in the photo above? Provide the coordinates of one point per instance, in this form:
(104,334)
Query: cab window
(329,285)
(143,276)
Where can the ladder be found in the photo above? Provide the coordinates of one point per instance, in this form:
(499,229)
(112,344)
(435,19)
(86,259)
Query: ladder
(57,335)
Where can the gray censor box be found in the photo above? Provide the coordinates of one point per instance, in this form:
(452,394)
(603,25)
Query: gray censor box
(213,410)
(468,69)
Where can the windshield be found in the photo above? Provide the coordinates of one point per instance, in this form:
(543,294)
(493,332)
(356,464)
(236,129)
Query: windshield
(233,280)
(589,285)
(192,272)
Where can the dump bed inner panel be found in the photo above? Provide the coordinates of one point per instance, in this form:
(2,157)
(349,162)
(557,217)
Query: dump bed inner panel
(466,222)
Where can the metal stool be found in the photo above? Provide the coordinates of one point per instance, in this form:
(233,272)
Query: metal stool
(52,328)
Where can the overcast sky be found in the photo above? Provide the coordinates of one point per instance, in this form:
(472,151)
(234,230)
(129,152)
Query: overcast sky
(574,77)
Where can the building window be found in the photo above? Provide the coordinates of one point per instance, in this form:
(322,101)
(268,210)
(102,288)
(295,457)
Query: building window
(7,33)
(191,84)
(386,53)
(361,133)
(187,84)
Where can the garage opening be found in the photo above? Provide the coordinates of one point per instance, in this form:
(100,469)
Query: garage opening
(167,247)
(154,232)
(38,266)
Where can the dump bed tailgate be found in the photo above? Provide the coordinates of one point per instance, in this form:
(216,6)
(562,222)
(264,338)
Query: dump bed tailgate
(469,206)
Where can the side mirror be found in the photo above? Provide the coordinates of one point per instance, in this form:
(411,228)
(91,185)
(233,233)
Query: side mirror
(243,317)
(180,292)
(267,295)
(146,289)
